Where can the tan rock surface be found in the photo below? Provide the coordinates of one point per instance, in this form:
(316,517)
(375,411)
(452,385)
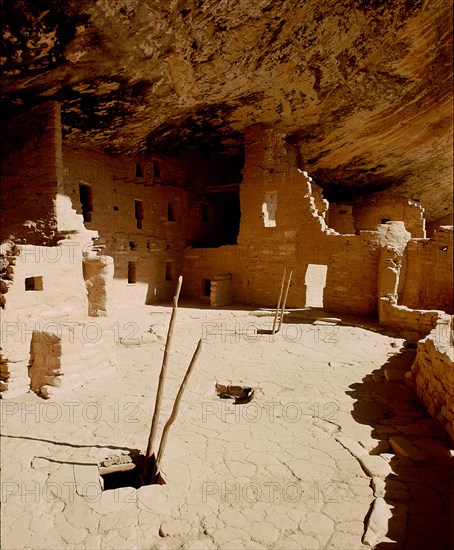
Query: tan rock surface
(364,89)
(234,479)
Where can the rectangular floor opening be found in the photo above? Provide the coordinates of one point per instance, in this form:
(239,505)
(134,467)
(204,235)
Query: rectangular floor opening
(124,471)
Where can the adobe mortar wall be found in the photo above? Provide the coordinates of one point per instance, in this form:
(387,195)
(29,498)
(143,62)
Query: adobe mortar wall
(351,283)
(270,167)
(410,323)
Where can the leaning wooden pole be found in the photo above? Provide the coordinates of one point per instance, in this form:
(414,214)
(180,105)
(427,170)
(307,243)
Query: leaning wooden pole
(162,375)
(273,330)
(172,417)
(285,301)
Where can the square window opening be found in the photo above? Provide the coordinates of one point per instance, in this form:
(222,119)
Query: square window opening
(34,283)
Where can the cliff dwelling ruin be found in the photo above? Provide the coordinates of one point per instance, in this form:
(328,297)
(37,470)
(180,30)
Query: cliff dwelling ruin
(290,166)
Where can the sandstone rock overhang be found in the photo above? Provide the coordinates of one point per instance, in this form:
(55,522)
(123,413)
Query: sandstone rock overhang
(363,88)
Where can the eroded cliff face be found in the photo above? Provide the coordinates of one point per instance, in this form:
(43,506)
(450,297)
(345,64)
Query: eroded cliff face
(363,88)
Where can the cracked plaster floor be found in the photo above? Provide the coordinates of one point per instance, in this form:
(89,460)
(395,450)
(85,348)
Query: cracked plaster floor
(284,471)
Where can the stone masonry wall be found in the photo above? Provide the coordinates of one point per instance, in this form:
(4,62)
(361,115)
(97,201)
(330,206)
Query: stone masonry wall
(340,218)
(428,273)
(298,237)
(370,212)
(408,323)
(47,293)
(29,176)
(70,353)
(436,224)
(221,291)
(432,373)
(42,280)
(156,247)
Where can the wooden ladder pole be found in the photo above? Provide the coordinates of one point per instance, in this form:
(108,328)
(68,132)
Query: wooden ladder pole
(285,301)
(273,330)
(172,417)
(162,375)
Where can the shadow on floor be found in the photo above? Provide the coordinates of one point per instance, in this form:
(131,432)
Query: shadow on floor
(419,488)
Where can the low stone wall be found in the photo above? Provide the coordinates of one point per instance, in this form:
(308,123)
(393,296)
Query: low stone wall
(44,293)
(69,354)
(432,373)
(411,324)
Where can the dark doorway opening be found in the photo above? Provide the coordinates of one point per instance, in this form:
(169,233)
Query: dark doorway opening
(170,212)
(169,271)
(221,220)
(138,211)
(206,287)
(139,170)
(132,276)
(86,201)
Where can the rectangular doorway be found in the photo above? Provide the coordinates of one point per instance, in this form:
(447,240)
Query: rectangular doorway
(86,201)
(315,281)
(206,287)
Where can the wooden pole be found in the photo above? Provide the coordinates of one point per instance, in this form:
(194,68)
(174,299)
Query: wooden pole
(285,301)
(174,413)
(162,375)
(273,330)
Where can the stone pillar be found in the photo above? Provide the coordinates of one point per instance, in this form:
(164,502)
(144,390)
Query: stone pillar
(98,275)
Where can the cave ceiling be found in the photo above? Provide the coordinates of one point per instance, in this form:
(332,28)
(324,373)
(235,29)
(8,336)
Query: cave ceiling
(362,88)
